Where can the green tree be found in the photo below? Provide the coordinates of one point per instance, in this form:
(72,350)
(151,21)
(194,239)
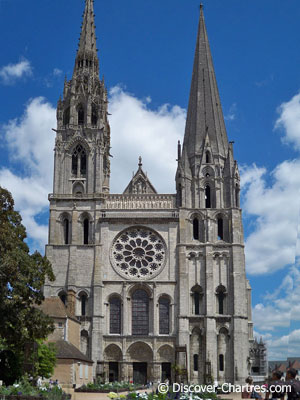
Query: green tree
(22,276)
(46,359)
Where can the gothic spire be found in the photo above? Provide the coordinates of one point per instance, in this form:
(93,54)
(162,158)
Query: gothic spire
(204,116)
(87,48)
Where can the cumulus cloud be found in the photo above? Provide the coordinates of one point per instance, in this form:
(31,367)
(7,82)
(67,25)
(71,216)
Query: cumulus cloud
(289,121)
(30,144)
(275,207)
(140,131)
(11,72)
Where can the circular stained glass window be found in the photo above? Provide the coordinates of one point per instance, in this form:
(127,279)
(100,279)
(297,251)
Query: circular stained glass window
(138,253)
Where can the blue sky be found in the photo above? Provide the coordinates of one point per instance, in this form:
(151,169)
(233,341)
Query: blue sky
(146,51)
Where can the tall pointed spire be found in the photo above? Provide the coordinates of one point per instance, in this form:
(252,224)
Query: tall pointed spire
(87,48)
(87,42)
(204,117)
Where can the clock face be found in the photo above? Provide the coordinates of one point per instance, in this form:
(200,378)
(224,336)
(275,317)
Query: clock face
(138,253)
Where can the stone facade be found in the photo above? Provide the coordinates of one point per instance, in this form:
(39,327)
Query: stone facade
(159,279)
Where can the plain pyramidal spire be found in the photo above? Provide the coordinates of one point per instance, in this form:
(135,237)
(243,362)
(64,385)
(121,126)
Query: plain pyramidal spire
(204,116)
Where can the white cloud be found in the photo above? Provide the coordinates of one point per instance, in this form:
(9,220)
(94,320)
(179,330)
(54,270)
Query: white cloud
(57,72)
(279,348)
(231,116)
(289,121)
(30,143)
(139,130)
(272,244)
(11,72)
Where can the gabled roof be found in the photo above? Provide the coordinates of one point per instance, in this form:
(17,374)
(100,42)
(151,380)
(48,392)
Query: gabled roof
(140,183)
(66,350)
(55,308)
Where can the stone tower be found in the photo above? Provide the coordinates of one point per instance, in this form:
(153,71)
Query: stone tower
(82,119)
(211,258)
(157,280)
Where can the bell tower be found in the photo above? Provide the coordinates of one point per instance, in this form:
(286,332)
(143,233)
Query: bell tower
(215,320)
(82,145)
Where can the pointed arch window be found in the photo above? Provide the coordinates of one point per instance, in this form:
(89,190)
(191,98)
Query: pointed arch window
(94,115)
(196,228)
(221,294)
(207,196)
(86,224)
(140,312)
(197,295)
(115,315)
(220,228)
(66,117)
(63,297)
(66,224)
(196,362)
(83,304)
(164,316)
(79,161)
(80,115)
(207,157)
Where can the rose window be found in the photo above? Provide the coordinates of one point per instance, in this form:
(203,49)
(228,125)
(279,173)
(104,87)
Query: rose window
(138,253)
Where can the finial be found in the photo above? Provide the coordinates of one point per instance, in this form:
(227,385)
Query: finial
(140,161)
(201,6)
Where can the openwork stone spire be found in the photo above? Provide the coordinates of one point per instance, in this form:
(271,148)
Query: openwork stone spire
(87,48)
(204,117)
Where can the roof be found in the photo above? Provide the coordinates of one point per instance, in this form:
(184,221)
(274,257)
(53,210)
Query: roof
(55,308)
(140,183)
(66,350)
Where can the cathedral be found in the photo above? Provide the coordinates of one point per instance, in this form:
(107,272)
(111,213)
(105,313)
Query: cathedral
(157,281)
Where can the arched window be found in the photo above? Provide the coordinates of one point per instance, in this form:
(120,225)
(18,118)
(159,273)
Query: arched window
(140,313)
(220,228)
(86,224)
(164,316)
(66,225)
(207,197)
(221,293)
(207,157)
(237,195)
(197,302)
(197,294)
(79,161)
(66,118)
(196,362)
(94,114)
(83,303)
(115,315)
(80,115)
(63,297)
(221,362)
(196,228)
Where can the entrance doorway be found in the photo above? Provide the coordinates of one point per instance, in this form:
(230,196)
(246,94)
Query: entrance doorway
(113,372)
(165,372)
(140,373)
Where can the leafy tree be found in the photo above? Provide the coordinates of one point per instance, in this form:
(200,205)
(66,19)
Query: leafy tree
(46,359)
(22,276)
